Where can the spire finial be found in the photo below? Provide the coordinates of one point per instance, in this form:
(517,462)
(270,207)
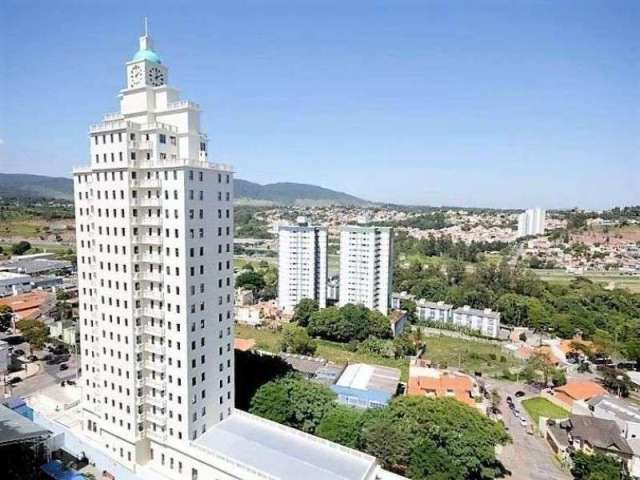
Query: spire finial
(146,27)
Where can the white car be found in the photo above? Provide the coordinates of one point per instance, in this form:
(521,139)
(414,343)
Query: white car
(523,422)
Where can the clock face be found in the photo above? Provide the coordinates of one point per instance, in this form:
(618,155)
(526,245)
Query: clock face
(135,76)
(156,76)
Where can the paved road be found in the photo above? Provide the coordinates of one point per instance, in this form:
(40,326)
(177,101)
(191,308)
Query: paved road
(528,457)
(49,375)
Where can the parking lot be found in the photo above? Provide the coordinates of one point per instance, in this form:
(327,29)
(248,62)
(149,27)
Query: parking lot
(42,374)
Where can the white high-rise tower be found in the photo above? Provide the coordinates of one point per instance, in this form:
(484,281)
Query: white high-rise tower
(302,264)
(366,266)
(154,224)
(531,222)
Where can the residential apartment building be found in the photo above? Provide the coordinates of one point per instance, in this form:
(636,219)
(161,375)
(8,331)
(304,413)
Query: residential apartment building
(531,222)
(434,311)
(366,266)
(486,321)
(154,226)
(302,264)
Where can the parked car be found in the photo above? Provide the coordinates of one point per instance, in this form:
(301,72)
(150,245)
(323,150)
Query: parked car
(64,366)
(523,422)
(71,382)
(15,380)
(19,352)
(520,393)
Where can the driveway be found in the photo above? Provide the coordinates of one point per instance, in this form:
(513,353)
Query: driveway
(528,457)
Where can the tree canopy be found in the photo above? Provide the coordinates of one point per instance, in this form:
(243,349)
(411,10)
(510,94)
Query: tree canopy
(293,401)
(296,340)
(349,322)
(303,311)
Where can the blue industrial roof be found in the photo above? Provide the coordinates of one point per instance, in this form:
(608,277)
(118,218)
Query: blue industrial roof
(377,396)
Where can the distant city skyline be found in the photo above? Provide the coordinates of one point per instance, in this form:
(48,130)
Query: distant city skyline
(492,105)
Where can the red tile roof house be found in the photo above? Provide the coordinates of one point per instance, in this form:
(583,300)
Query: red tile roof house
(574,395)
(432,382)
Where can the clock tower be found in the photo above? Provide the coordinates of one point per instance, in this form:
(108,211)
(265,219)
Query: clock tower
(146,69)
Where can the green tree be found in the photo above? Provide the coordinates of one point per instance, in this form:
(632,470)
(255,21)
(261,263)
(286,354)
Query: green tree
(429,462)
(35,332)
(596,466)
(455,272)
(293,401)
(303,311)
(6,313)
(20,248)
(296,340)
(250,280)
(349,322)
(342,425)
(632,351)
(464,435)
(616,381)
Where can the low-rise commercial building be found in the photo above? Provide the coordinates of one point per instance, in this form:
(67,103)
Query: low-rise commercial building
(29,305)
(366,386)
(625,414)
(12,283)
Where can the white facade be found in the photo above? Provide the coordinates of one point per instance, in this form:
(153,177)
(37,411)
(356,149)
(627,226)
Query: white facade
(486,321)
(531,222)
(366,266)
(433,311)
(154,225)
(302,265)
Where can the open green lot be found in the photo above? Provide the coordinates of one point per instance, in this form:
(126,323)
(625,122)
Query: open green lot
(612,280)
(541,407)
(472,356)
(469,355)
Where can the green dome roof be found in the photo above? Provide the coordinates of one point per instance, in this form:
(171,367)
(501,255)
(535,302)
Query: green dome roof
(148,55)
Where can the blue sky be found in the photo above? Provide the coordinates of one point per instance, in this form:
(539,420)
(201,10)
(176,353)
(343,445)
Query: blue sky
(474,103)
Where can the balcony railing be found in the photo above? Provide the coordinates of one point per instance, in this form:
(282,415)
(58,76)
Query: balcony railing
(148,239)
(148,221)
(153,330)
(156,400)
(155,366)
(157,418)
(146,182)
(154,348)
(154,383)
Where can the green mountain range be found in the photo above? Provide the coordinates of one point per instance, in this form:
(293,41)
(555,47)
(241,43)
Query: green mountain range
(39,186)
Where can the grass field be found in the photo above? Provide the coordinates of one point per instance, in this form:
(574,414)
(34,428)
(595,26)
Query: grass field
(605,279)
(541,407)
(469,355)
(473,356)
(269,340)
